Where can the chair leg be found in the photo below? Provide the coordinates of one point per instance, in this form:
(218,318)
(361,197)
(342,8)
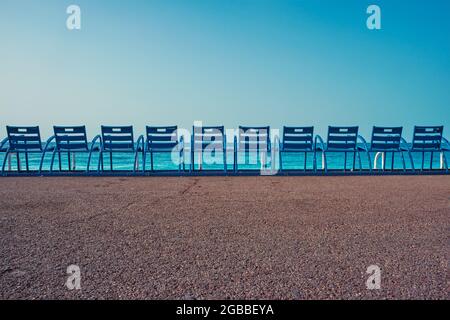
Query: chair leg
(53,160)
(180,159)
(392,162)
(18,162)
(403,161)
(359,161)
(314,162)
(345,161)
(151,161)
(4,161)
(26,162)
(224,161)
(354,161)
(88,165)
(280,160)
(423,160)
(266,155)
(445,162)
(144,159)
(369,158)
(412,162)
(100,161)
(431,160)
(69,166)
(111,161)
(304,163)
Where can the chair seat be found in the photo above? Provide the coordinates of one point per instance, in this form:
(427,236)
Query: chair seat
(162,149)
(388,150)
(338,150)
(297,150)
(427,150)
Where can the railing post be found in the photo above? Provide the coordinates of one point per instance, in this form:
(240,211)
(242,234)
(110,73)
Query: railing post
(136,162)
(441,160)
(262,160)
(9,161)
(323,160)
(200,160)
(74,161)
(376,159)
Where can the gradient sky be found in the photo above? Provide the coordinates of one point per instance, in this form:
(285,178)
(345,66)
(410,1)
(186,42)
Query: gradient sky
(230,62)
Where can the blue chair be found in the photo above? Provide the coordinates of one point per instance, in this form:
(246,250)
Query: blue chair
(429,139)
(26,140)
(252,139)
(72,140)
(384,140)
(211,138)
(339,139)
(119,139)
(163,140)
(297,140)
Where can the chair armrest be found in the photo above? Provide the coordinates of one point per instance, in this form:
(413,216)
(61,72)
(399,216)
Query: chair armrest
(363,141)
(47,143)
(405,147)
(97,137)
(446,142)
(4,141)
(318,139)
(140,140)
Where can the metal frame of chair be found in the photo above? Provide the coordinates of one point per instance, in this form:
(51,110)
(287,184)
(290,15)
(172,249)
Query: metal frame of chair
(119,139)
(297,140)
(429,139)
(72,140)
(26,140)
(251,139)
(339,139)
(163,140)
(384,140)
(205,137)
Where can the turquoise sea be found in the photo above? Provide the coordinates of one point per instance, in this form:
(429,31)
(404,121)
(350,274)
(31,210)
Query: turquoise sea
(164,161)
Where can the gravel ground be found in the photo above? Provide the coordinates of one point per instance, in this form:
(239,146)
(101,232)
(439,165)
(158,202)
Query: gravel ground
(225,237)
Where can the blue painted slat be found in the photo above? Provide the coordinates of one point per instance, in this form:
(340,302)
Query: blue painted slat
(117,130)
(161,129)
(69,130)
(23,130)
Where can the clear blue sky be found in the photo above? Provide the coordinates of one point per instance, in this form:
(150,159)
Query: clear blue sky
(231,62)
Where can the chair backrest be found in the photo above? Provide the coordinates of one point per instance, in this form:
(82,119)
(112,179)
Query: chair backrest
(427,138)
(298,138)
(70,138)
(386,138)
(254,138)
(342,138)
(24,138)
(162,138)
(208,137)
(117,138)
